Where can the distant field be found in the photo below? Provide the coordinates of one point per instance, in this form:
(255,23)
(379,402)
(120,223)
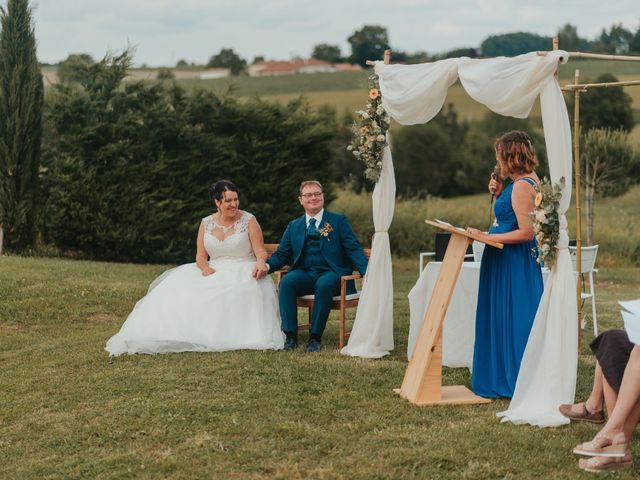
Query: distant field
(346,91)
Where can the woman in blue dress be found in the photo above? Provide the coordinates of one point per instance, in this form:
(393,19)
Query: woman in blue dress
(510,278)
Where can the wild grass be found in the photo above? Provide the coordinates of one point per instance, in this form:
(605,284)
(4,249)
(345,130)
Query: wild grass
(616,222)
(68,412)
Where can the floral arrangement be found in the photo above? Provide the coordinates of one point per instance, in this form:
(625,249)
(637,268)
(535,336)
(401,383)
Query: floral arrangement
(326,230)
(370,132)
(546,221)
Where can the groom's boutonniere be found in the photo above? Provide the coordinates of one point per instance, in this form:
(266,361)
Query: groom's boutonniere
(326,230)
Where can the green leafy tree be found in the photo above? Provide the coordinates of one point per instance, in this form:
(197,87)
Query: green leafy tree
(604,107)
(479,158)
(328,53)
(617,40)
(608,163)
(511,44)
(182,63)
(227,58)
(71,69)
(21,103)
(127,165)
(568,38)
(634,46)
(368,43)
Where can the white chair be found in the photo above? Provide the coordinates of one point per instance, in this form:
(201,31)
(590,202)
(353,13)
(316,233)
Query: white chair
(588,262)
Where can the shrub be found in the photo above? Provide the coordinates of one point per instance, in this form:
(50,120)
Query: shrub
(127,167)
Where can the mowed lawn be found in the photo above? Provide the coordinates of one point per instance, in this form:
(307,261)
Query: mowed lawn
(69,412)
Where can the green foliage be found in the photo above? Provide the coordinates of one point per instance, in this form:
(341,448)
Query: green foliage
(607,162)
(604,107)
(328,53)
(447,158)
(73,67)
(227,58)
(128,165)
(21,100)
(511,44)
(368,43)
(165,74)
(617,40)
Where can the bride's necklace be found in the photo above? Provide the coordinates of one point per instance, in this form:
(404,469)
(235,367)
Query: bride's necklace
(225,228)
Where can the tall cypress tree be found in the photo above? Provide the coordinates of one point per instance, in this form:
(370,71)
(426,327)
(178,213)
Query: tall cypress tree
(21,103)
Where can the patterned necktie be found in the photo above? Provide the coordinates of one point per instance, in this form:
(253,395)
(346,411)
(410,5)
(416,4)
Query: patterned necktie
(311,229)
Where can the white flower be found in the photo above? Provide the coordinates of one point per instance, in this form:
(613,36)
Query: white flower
(540,216)
(381,138)
(365,115)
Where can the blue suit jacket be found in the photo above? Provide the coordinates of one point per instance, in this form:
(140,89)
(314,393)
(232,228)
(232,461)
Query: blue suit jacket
(341,249)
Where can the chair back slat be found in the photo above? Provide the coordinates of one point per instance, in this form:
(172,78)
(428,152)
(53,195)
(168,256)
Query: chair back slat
(588,257)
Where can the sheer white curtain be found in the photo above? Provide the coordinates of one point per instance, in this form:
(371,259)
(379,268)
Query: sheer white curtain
(372,334)
(509,86)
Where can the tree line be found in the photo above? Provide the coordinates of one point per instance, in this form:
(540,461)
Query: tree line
(370,42)
(117,170)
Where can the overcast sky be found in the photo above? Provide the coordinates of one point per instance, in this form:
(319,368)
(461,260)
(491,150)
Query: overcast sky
(165,31)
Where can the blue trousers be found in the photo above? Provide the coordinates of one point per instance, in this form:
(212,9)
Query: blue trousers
(324,284)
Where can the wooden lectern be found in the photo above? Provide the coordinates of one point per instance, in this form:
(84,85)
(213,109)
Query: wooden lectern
(422,382)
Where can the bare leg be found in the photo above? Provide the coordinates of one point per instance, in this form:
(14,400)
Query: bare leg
(624,417)
(594,403)
(596,397)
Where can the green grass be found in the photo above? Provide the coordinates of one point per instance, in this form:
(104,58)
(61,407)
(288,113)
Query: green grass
(69,412)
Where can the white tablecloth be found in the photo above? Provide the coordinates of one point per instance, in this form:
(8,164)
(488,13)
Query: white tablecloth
(459,328)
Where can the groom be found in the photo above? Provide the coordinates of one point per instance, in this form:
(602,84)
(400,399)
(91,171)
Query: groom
(319,248)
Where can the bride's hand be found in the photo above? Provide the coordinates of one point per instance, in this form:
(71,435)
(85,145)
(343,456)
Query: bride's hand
(260,270)
(207,270)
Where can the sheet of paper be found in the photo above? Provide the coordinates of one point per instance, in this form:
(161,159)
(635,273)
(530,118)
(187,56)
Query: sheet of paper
(632,306)
(632,326)
(448,224)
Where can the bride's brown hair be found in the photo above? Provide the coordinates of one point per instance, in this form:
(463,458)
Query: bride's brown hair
(216,191)
(516,153)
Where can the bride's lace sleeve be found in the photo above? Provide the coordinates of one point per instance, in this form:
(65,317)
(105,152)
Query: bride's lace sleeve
(208,223)
(242,224)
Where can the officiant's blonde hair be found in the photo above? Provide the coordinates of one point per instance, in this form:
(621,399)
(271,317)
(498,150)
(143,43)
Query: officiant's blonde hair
(516,153)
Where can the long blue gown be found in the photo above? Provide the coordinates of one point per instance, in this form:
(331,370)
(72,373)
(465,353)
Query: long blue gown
(508,296)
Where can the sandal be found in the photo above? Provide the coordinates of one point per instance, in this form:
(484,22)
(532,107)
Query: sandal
(604,464)
(602,446)
(566,409)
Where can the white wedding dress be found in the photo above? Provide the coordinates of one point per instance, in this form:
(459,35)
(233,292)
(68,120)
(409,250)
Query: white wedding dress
(186,311)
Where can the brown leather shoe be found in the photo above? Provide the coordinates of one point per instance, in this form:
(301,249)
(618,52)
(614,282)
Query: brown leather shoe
(584,416)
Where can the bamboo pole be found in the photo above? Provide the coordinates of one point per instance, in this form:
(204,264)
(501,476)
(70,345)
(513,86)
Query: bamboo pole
(576,168)
(386,58)
(584,86)
(598,56)
(602,56)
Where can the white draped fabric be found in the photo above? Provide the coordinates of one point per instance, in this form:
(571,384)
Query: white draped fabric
(372,334)
(509,86)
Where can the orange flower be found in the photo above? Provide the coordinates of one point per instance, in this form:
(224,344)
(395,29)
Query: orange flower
(538,199)
(373,93)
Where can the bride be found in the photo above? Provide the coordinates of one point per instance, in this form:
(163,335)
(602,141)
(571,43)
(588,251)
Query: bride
(218,303)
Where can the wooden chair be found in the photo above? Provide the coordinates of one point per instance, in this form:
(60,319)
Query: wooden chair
(340,302)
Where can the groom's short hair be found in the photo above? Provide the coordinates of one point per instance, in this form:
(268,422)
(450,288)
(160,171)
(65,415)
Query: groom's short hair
(309,182)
